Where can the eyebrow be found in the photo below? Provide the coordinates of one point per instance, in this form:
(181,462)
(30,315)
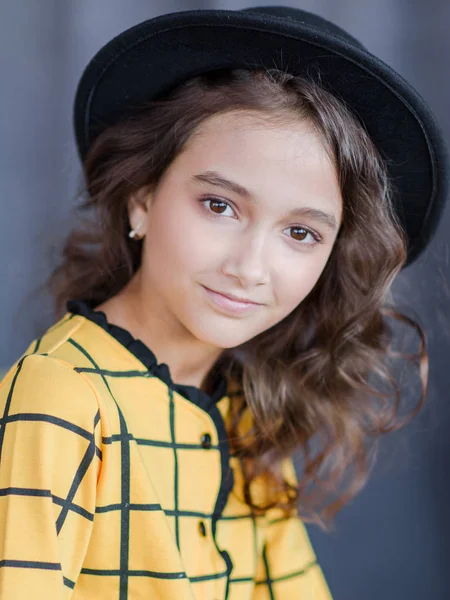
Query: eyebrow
(214,178)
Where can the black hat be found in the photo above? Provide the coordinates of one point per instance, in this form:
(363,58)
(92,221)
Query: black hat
(147,60)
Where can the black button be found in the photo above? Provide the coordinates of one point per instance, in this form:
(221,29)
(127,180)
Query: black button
(206,441)
(202,528)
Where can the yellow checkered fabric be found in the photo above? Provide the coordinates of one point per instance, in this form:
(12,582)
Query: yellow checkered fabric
(114,485)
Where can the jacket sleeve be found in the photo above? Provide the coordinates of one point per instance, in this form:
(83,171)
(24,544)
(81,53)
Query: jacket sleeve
(50,459)
(288,567)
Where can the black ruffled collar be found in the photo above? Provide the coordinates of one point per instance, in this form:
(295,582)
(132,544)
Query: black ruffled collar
(147,357)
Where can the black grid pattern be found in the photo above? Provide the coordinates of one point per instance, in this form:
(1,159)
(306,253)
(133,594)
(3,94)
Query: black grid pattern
(123,483)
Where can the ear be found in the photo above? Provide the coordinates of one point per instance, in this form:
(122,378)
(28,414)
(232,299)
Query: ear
(139,204)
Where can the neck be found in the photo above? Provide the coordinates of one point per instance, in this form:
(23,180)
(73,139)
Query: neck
(146,318)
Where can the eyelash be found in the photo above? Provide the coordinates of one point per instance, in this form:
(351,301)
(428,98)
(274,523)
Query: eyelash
(316,237)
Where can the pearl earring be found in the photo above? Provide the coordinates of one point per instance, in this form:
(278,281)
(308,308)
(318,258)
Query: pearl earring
(134,232)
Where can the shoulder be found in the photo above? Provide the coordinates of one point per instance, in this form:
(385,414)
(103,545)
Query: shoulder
(40,385)
(50,430)
(58,373)
(82,343)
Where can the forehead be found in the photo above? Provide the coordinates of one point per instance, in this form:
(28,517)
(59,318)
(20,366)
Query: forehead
(286,158)
(252,125)
(285,143)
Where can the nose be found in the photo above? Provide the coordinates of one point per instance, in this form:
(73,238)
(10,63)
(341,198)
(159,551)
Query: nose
(247,259)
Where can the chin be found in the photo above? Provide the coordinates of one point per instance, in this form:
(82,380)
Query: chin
(225,335)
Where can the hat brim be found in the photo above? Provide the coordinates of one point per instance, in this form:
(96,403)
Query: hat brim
(149,59)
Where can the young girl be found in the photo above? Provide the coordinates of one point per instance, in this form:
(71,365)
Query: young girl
(255,180)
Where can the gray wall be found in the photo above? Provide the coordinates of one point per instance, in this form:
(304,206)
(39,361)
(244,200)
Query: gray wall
(393,541)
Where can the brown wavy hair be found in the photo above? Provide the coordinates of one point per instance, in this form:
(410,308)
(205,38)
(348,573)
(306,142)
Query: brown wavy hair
(321,383)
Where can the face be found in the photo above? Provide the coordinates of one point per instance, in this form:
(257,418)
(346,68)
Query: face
(249,209)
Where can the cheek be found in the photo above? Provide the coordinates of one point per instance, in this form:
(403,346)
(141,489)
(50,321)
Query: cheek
(178,244)
(294,284)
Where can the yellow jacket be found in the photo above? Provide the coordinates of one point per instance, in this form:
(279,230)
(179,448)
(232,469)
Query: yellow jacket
(116,483)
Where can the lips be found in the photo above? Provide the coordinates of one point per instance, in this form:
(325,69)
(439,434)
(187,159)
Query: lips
(233,298)
(228,304)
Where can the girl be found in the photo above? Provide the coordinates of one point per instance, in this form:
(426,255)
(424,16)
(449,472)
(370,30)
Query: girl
(255,181)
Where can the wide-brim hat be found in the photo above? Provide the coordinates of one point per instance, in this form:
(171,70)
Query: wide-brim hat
(149,59)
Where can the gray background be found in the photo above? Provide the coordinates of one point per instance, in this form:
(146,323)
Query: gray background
(393,541)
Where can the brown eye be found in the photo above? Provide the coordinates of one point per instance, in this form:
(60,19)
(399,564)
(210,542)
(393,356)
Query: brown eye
(300,236)
(213,202)
(220,205)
